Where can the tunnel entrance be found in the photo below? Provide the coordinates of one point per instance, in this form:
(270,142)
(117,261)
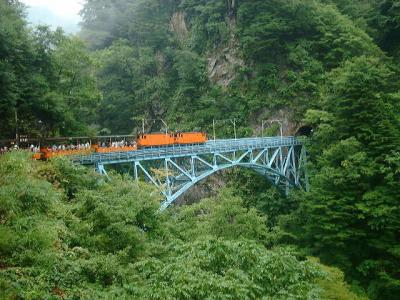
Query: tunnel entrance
(304,131)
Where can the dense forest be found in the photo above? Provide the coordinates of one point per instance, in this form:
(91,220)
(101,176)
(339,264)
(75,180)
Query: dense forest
(328,65)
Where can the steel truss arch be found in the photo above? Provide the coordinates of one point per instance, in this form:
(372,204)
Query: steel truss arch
(174,170)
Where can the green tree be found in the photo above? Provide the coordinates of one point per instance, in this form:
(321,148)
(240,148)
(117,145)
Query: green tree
(385,22)
(350,218)
(48,85)
(15,50)
(66,232)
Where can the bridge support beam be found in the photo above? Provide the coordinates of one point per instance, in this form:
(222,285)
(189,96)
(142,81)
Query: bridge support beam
(101,169)
(280,165)
(174,170)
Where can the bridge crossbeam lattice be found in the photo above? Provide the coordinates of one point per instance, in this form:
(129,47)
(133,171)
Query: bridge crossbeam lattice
(175,169)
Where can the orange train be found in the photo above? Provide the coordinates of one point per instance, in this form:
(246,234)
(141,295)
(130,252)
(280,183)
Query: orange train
(143,141)
(162,139)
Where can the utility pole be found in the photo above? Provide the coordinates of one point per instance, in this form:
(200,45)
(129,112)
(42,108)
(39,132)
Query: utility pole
(262,127)
(166,126)
(234,127)
(154,120)
(224,121)
(281,126)
(214,129)
(16,126)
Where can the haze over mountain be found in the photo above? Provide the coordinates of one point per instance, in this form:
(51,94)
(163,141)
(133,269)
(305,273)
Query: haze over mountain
(54,13)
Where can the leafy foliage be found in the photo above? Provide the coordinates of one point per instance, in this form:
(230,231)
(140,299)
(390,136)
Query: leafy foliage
(214,268)
(352,212)
(110,242)
(331,65)
(47,81)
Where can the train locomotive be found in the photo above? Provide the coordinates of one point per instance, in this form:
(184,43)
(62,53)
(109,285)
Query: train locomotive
(86,146)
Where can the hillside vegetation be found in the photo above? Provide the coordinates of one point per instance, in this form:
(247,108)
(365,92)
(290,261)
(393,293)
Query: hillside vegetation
(67,233)
(328,65)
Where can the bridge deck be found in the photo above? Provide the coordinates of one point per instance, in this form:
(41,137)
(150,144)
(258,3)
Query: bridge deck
(219,146)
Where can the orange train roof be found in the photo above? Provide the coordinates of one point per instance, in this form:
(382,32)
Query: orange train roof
(190,138)
(155,139)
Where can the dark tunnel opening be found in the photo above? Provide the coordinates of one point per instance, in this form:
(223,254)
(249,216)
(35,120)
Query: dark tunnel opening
(304,131)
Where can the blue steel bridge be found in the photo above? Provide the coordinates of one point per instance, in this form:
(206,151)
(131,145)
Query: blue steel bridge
(175,169)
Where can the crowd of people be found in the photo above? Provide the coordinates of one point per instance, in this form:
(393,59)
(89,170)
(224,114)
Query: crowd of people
(118,144)
(64,147)
(67,147)
(34,148)
(10,148)
(15,147)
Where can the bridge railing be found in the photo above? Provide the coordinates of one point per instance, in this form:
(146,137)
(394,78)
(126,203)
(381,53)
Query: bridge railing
(220,146)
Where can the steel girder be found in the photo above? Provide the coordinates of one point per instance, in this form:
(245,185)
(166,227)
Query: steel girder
(283,165)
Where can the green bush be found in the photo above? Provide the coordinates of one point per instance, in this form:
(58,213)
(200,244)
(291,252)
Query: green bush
(111,242)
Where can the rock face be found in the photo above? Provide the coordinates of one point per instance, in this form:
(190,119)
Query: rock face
(285,116)
(223,64)
(288,126)
(178,25)
(209,187)
(224,61)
